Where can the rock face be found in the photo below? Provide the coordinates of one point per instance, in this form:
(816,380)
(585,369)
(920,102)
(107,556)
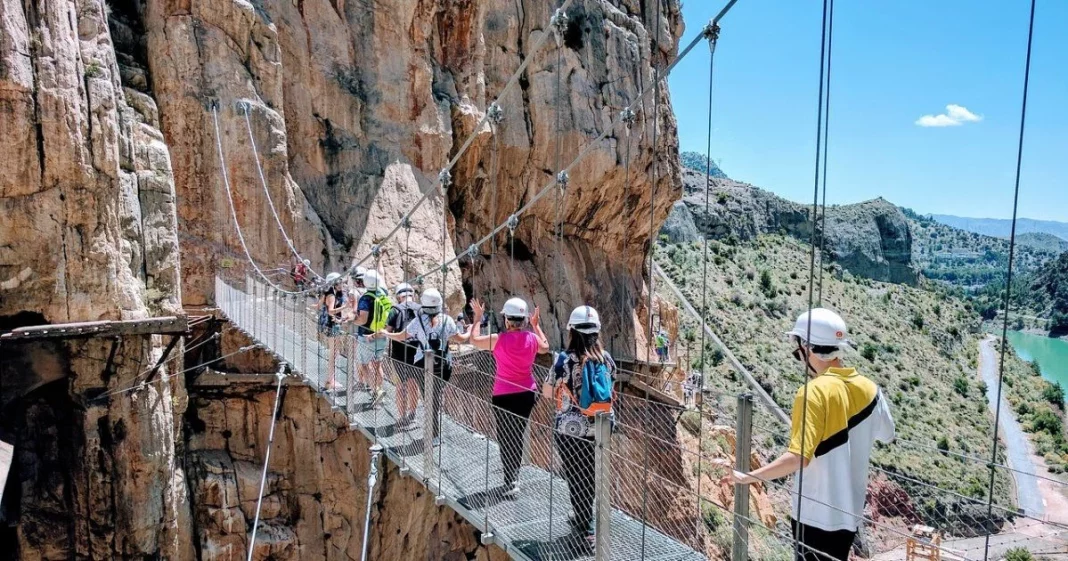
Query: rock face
(125,141)
(316,492)
(87,232)
(869,239)
(355,108)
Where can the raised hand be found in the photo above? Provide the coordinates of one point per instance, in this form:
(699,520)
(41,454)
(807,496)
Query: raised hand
(535,316)
(477,308)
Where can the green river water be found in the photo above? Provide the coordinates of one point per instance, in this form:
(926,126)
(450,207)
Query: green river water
(1052,354)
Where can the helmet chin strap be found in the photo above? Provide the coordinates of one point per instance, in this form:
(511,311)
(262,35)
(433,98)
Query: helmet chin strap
(805,353)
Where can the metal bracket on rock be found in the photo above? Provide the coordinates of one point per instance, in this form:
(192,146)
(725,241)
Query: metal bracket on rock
(243,105)
(406,223)
(559,25)
(513,223)
(562,180)
(495,114)
(376,251)
(627,117)
(445,179)
(472,250)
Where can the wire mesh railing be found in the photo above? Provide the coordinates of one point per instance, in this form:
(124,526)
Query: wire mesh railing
(655,482)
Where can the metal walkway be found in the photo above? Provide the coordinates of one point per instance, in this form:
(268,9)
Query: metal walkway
(464,471)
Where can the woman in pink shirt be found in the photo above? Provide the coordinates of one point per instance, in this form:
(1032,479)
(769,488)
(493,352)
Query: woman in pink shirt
(514,387)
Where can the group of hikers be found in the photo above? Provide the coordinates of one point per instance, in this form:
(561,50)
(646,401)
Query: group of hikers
(407,326)
(837,415)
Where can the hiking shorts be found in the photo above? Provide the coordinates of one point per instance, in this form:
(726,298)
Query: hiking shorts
(370,350)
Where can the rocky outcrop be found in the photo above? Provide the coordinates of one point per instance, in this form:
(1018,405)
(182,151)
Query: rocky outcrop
(87,232)
(870,239)
(113,166)
(314,500)
(355,108)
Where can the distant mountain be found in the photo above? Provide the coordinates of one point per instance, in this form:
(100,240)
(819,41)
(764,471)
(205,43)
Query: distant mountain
(969,260)
(1001,228)
(696,161)
(1043,241)
(869,239)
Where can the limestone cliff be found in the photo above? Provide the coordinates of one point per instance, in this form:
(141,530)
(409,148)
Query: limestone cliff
(87,232)
(112,169)
(870,239)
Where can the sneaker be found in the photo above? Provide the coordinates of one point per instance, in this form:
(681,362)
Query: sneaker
(512,491)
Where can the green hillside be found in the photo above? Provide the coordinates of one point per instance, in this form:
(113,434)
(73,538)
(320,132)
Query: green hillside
(920,346)
(968,260)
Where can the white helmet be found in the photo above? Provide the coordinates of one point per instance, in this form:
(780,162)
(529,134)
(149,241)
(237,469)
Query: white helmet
(584,319)
(371,279)
(828,329)
(515,308)
(360,272)
(404,289)
(430,300)
(307,262)
(332,278)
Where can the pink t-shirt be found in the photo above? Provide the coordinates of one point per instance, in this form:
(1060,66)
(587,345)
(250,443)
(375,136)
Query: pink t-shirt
(515,352)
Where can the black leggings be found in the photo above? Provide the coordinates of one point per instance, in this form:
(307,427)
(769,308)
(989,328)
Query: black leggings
(816,544)
(512,411)
(577,455)
(442,371)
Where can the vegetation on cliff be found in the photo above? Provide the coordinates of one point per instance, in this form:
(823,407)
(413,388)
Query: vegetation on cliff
(919,345)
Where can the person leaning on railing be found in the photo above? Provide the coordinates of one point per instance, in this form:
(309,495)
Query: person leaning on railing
(837,417)
(514,386)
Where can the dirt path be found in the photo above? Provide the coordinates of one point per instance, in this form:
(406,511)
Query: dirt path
(1017,446)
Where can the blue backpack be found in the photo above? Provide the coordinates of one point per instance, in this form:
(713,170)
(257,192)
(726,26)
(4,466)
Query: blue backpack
(596,388)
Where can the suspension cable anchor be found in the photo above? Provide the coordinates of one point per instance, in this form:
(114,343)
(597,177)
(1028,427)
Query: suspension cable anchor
(243,105)
(627,117)
(562,179)
(495,114)
(406,223)
(711,31)
(472,250)
(376,251)
(513,223)
(445,178)
(419,280)
(558,23)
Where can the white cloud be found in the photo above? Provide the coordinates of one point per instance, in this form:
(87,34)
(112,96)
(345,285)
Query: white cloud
(954,116)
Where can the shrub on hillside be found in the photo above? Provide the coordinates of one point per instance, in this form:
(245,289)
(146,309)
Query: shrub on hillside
(1054,394)
(767,286)
(917,321)
(869,351)
(960,385)
(1045,420)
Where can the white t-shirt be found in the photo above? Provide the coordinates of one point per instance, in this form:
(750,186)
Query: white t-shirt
(421,329)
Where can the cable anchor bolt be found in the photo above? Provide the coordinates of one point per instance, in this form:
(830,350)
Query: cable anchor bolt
(627,117)
(406,223)
(562,179)
(495,114)
(472,250)
(558,23)
(513,223)
(445,178)
(419,280)
(376,251)
(711,31)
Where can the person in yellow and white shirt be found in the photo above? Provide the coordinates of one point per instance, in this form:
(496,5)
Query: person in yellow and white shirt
(837,417)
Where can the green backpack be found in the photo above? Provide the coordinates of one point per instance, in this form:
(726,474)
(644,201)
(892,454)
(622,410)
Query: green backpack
(383,305)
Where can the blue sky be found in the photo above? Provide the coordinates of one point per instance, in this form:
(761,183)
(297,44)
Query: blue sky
(894,62)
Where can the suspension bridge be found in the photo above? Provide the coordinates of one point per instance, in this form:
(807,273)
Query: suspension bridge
(454,447)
